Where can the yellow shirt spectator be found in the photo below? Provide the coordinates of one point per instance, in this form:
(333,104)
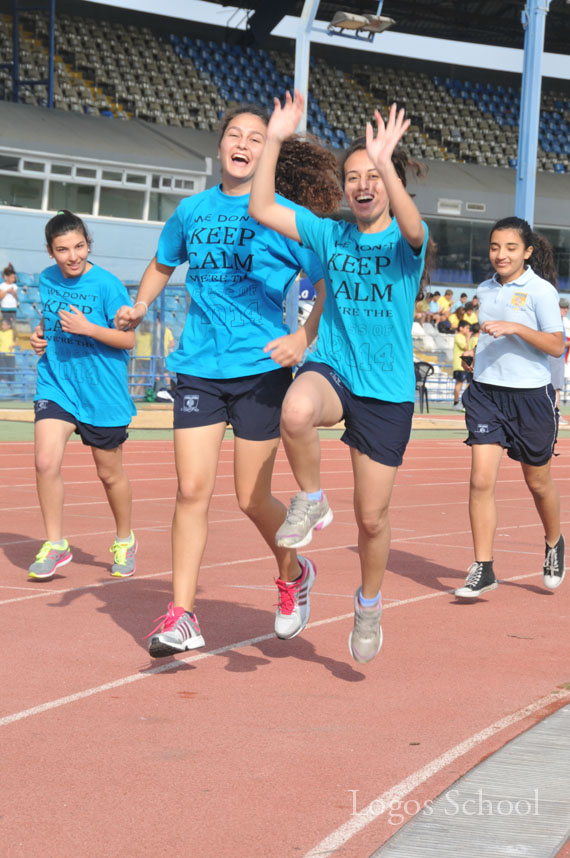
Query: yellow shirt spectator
(460,343)
(7,341)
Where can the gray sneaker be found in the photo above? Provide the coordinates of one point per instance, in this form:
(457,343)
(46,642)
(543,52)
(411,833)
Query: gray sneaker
(365,639)
(124,556)
(179,631)
(48,559)
(303,516)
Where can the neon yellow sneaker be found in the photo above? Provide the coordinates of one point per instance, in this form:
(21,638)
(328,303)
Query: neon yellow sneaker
(124,554)
(48,559)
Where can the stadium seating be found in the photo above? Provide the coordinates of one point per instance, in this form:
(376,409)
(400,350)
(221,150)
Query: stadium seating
(123,71)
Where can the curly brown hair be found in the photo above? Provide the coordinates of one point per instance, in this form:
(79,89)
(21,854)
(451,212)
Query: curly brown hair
(308,174)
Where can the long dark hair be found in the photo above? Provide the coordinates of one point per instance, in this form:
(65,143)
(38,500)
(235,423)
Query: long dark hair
(542,258)
(402,164)
(62,223)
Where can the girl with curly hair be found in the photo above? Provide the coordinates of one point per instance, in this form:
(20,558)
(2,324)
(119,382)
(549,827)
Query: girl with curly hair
(234,359)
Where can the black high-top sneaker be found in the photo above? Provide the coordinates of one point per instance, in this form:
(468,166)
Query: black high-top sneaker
(480,579)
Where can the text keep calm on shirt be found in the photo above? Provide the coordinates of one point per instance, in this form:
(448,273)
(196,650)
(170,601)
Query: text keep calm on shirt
(84,376)
(238,275)
(372,279)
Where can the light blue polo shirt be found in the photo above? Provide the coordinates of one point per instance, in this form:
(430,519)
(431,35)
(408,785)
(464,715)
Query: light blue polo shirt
(509,361)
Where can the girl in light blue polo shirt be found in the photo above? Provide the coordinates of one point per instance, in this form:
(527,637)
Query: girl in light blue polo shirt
(511,404)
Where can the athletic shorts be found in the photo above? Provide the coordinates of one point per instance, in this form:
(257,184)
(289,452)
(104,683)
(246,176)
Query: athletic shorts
(381,430)
(461,374)
(102,437)
(523,420)
(251,404)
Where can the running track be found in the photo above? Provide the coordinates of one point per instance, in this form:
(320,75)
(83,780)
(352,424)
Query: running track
(254,747)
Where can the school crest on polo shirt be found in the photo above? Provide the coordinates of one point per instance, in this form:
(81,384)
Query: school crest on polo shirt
(519,300)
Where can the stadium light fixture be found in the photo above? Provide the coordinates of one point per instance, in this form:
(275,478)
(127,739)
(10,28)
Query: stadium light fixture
(357,24)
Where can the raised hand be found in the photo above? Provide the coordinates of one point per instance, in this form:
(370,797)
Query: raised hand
(284,120)
(381,146)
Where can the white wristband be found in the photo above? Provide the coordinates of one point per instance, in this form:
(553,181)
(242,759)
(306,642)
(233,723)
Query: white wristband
(145,305)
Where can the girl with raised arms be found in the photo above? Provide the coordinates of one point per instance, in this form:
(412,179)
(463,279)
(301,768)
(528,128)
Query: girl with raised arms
(362,369)
(82,387)
(234,359)
(511,404)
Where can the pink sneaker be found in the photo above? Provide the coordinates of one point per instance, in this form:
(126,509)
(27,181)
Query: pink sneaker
(179,631)
(294,608)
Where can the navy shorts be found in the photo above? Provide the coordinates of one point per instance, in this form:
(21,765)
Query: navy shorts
(379,429)
(523,420)
(461,374)
(251,404)
(102,437)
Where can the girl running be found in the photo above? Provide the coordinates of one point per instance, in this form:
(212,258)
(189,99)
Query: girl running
(82,388)
(362,369)
(510,404)
(234,360)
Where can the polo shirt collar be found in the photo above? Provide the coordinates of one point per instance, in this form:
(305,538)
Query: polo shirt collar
(525,277)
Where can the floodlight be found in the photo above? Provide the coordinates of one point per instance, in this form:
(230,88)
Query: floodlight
(370,24)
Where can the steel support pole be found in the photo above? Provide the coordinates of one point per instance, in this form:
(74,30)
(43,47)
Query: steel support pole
(302,55)
(533,20)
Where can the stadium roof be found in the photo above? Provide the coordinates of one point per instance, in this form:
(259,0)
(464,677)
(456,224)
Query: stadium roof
(491,22)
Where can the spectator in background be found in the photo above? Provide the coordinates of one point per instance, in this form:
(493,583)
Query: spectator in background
(461,345)
(143,352)
(471,314)
(7,348)
(9,291)
(454,319)
(445,301)
(421,307)
(459,304)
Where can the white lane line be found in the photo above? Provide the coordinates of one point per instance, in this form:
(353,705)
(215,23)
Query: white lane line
(380,805)
(171,665)
(126,680)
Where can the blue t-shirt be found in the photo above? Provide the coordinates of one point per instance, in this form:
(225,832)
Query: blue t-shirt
(238,274)
(84,376)
(372,281)
(509,361)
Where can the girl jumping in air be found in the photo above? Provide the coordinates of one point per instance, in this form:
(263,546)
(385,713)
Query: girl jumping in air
(82,387)
(362,369)
(511,404)
(234,359)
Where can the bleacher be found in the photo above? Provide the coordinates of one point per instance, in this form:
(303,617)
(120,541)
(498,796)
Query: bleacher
(122,71)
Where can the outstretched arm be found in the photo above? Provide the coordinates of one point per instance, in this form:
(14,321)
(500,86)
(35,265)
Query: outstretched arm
(262,204)
(154,279)
(380,149)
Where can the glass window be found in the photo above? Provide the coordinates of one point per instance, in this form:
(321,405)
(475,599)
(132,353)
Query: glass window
(162,206)
(112,176)
(118,202)
(136,179)
(155,181)
(8,163)
(76,198)
(60,170)
(21,192)
(34,166)
(85,173)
